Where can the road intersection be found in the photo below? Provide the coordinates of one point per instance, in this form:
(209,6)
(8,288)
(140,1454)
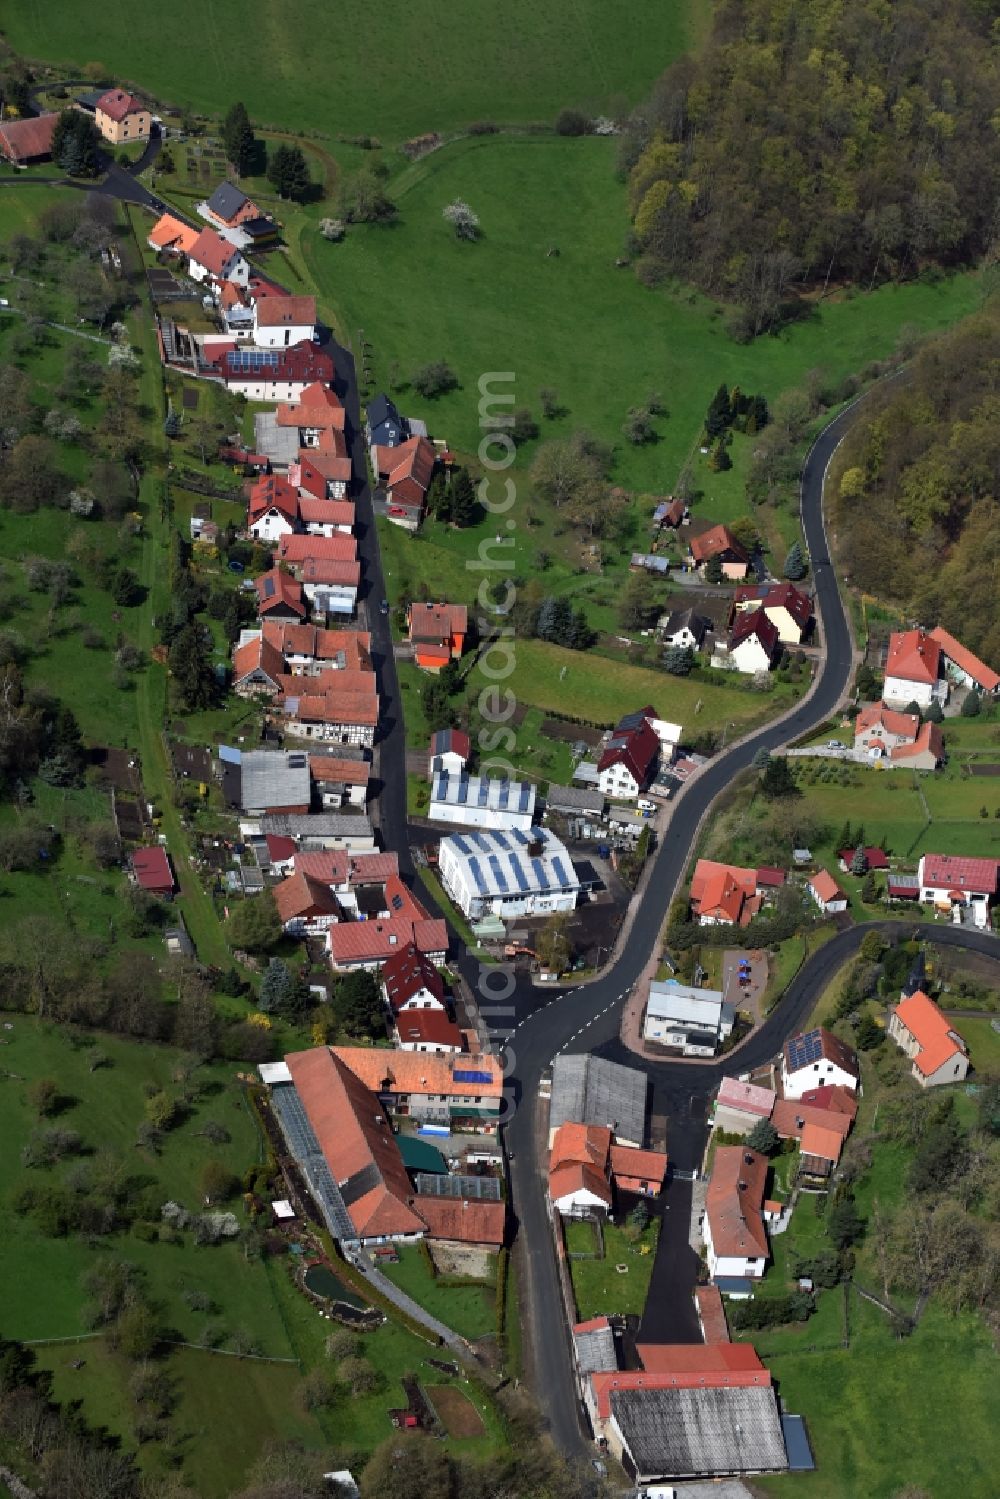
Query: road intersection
(533,1026)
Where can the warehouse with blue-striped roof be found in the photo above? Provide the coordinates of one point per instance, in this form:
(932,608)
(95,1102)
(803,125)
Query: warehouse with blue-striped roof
(508,873)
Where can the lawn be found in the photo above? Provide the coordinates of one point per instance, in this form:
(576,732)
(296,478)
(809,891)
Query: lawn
(506,304)
(785,964)
(884,1414)
(391,1349)
(45,1297)
(599,1288)
(397,70)
(227,1410)
(468,1309)
(983,1043)
(582,685)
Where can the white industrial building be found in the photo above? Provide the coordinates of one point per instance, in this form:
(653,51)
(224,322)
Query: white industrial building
(693,1020)
(508,874)
(479,802)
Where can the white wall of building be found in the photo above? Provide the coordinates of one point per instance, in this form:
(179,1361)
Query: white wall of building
(284,337)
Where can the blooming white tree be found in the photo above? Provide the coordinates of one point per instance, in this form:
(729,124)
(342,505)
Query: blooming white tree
(462,219)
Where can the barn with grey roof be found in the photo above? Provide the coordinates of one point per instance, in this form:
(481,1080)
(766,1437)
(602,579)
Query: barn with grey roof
(592,1090)
(698,1433)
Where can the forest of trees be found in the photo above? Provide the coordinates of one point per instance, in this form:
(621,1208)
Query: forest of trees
(917,488)
(811,142)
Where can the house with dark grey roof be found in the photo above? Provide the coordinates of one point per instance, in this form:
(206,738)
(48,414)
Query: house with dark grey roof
(322,830)
(594,1347)
(237,217)
(384,427)
(684,627)
(575,801)
(275,781)
(698,1432)
(591,1090)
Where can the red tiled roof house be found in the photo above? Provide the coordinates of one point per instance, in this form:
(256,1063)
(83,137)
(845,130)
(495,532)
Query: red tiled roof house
(437,633)
(121,117)
(913,670)
(719,541)
(152,871)
(23,142)
(965,889)
(936,1050)
(733,1229)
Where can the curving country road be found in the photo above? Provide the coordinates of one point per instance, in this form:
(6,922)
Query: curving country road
(534,1026)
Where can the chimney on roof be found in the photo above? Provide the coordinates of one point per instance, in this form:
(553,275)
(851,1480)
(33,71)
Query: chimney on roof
(748,1157)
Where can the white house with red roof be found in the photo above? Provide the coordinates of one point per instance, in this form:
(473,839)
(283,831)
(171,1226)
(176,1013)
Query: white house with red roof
(963,667)
(307,907)
(280,322)
(787,607)
(827,893)
(340,782)
(450,751)
(754,643)
(628,761)
(913,670)
(212,258)
(272,509)
(411,982)
(928,1038)
(733,1228)
(965,889)
(427,1031)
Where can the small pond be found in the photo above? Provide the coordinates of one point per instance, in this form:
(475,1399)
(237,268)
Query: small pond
(322,1281)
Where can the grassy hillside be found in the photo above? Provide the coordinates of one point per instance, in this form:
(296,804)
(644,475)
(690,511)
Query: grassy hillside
(573,320)
(395,69)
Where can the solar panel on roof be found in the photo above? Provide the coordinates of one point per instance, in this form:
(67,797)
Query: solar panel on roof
(560,870)
(484,792)
(804,1049)
(461,1076)
(540,875)
(461,844)
(525,797)
(498,873)
(503,796)
(477,875)
(518,835)
(269,588)
(519,874)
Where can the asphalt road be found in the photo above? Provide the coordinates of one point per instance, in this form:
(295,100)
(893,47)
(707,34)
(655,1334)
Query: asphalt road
(535,1025)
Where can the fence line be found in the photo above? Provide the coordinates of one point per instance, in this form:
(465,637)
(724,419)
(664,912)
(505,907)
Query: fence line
(89,1337)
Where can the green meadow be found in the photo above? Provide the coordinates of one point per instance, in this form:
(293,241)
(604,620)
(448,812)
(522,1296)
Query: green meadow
(396,69)
(572,319)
